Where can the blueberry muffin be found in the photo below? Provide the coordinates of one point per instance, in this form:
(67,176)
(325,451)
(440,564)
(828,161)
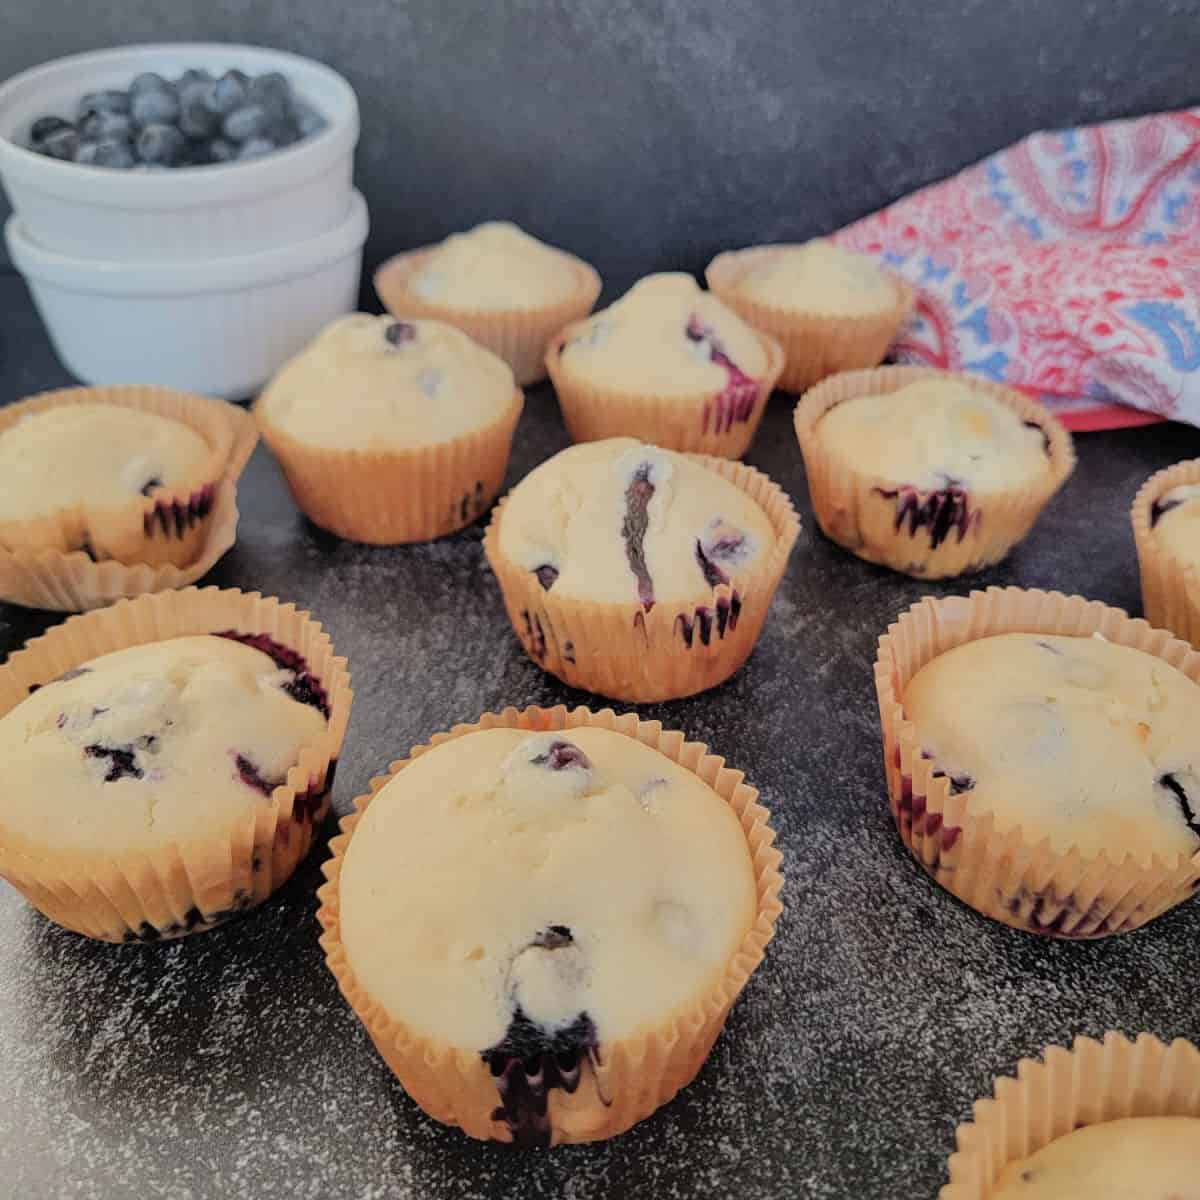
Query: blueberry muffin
(391,431)
(831,309)
(667,363)
(155,789)
(128,475)
(550,867)
(1109,1120)
(1156,1157)
(507,290)
(638,573)
(926,472)
(1166,529)
(1061,796)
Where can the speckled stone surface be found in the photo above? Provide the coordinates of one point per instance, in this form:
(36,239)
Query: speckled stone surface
(227,1065)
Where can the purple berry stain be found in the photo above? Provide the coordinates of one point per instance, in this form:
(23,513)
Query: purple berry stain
(250,775)
(943,511)
(1190,814)
(305,688)
(547,575)
(735,401)
(529,1061)
(400,333)
(633,531)
(1161,507)
(561,756)
(122,761)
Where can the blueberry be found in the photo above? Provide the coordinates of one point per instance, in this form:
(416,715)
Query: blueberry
(192,75)
(109,152)
(110,101)
(308,120)
(43,127)
(221,151)
(249,121)
(161,144)
(228,93)
(547,575)
(154,107)
(400,332)
(562,756)
(107,125)
(257,147)
(271,84)
(62,144)
(285,132)
(149,81)
(196,119)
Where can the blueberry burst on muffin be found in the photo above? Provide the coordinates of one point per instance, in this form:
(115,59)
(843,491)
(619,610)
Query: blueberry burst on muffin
(159,750)
(498,895)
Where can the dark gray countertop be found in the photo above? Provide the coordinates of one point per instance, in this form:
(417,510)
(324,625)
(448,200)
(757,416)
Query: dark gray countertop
(227,1065)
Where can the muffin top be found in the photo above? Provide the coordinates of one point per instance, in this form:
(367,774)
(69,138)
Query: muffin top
(495,267)
(94,455)
(1152,1158)
(375,383)
(1073,739)
(160,743)
(513,893)
(935,434)
(667,337)
(618,521)
(1176,521)
(821,277)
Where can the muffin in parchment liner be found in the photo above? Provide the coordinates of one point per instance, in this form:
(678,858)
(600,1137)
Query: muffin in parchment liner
(721,423)
(815,344)
(927,534)
(1170,585)
(517,335)
(603,1093)
(165,888)
(1022,881)
(621,650)
(1091,1083)
(165,525)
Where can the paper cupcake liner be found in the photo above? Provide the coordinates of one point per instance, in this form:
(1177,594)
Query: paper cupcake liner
(519,336)
(627,1080)
(1005,875)
(1170,587)
(626,653)
(75,583)
(815,345)
(700,423)
(180,888)
(388,497)
(1089,1084)
(168,527)
(876,518)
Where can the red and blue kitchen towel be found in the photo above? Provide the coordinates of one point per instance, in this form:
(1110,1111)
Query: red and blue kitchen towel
(1067,265)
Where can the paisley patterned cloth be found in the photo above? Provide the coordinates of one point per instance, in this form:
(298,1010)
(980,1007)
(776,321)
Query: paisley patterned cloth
(1067,265)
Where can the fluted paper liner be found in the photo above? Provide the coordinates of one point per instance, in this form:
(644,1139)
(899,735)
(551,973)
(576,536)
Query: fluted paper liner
(631,1077)
(674,650)
(172,525)
(688,422)
(1006,875)
(404,494)
(519,336)
(75,583)
(850,511)
(1089,1084)
(180,888)
(1170,586)
(815,344)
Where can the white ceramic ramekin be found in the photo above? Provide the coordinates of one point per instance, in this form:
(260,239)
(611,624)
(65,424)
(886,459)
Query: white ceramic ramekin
(181,213)
(218,326)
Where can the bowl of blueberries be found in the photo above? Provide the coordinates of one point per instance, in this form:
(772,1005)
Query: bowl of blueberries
(204,187)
